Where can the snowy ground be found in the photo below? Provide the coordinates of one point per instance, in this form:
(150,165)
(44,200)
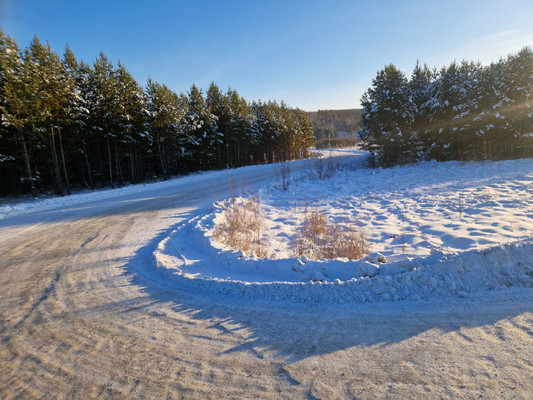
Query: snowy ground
(448,228)
(436,228)
(85,312)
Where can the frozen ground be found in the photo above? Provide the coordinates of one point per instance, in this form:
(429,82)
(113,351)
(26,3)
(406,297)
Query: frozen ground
(437,228)
(84,312)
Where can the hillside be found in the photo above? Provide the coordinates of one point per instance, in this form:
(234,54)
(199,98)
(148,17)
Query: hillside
(335,123)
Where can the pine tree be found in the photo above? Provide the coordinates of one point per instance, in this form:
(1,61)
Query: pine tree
(388,115)
(103,107)
(519,109)
(8,161)
(272,126)
(419,84)
(483,96)
(130,113)
(239,134)
(16,101)
(77,126)
(50,88)
(304,134)
(261,132)
(166,117)
(201,130)
(219,106)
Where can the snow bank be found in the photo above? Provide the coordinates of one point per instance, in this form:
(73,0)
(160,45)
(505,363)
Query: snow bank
(412,210)
(335,281)
(435,229)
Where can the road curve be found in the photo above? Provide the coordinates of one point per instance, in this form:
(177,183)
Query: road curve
(80,317)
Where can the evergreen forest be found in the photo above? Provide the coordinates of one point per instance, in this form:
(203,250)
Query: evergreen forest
(335,123)
(465,111)
(68,124)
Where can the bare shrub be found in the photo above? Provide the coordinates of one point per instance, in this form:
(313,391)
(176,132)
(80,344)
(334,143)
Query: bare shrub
(317,238)
(283,175)
(321,168)
(242,226)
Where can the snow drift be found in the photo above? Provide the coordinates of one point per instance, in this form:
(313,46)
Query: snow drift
(335,281)
(435,229)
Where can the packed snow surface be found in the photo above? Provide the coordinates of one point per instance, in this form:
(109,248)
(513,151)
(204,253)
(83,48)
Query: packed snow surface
(12,208)
(447,228)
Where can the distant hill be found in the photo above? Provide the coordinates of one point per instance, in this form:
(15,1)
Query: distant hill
(335,123)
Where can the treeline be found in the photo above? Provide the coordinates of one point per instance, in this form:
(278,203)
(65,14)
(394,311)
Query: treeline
(71,124)
(465,111)
(335,123)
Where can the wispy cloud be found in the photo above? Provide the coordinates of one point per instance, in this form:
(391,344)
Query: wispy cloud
(486,48)
(499,44)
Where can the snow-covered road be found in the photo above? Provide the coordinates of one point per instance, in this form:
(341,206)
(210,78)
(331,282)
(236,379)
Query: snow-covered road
(82,315)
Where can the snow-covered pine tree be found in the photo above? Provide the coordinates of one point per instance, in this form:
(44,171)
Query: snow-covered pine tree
(276,129)
(50,87)
(388,115)
(15,108)
(445,95)
(465,112)
(303,134)
(419,83)
(240,135)
(258,131)
(166,114)
(77,133)
(103,110)
(518,112)
(219,106)
(201,131)
(129,117)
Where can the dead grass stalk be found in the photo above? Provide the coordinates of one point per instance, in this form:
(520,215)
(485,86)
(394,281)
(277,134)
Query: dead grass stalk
(242,227)
(318,238)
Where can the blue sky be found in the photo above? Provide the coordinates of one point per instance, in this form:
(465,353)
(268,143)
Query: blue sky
(311,54)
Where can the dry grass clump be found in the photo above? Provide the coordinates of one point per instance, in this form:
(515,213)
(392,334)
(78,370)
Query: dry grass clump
(242,226)
(317,238)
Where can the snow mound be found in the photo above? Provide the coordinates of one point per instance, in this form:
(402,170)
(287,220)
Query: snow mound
(435,229)
(188,258)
